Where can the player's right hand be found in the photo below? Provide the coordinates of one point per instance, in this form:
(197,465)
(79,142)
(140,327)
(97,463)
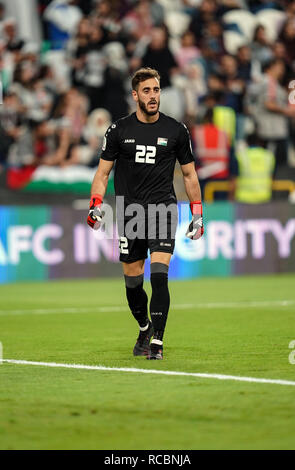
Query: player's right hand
(196,227)
(95,215)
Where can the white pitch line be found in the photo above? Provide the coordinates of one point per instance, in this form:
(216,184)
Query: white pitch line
(116,308)
(152,371)
(45,311)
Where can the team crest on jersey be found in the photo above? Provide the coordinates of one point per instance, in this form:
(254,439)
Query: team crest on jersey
(162,141)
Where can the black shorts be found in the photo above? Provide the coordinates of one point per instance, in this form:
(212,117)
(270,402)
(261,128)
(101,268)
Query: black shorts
(154,233)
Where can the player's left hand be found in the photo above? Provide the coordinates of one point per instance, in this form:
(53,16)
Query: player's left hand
(196,227)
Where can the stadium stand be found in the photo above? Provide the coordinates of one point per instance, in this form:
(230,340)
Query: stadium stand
(62,91)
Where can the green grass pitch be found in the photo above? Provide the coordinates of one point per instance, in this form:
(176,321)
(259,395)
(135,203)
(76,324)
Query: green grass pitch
(237,326)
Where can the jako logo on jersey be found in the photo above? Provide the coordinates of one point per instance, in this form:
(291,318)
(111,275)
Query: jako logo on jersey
(162,141)
(129,141)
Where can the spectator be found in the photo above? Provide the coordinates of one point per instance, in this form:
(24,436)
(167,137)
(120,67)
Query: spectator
(279,51)
(35,99)
(63,17)
(256,169)
(107,13)
(234,91)
(224,117)
(194,88)
(78,44)
(289,8)
(16,138)
(116,75)
(56,140)
(30,54)
(207,12)
(234,84)
(211,44)
(261,46)
(215,83)
(74,112)
(106,18)
(245,65)
(159,56)
(43,98)
(287,37)
(53,86)
(215,155)
(138,22)
(67,125)
(105,40)
(91,68)
(90,145)
(13,42)
(272,112)
(188,52)
(11,120)
(157,12)
(77,48)
(24,76)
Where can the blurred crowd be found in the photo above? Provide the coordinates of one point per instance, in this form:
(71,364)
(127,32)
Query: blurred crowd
(224,63)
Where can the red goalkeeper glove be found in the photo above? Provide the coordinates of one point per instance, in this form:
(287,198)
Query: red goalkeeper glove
(196,227)
(95,214)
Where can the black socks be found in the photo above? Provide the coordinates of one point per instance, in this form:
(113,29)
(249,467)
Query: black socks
(137,299)
(160,300)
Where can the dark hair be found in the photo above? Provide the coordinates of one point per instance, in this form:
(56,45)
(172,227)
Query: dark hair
(270,63)
(143,74)
(253,140)
(208,116)
(257,28)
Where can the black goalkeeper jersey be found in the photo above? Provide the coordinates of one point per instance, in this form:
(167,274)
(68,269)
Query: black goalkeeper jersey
(145,156)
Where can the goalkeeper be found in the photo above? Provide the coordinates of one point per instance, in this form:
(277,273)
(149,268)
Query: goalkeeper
(144,147)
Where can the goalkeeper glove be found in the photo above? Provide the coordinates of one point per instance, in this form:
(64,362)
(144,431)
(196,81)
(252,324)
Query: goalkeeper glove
(196,227)
(95,215)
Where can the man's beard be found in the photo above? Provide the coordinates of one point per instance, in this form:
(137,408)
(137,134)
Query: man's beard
(143,107)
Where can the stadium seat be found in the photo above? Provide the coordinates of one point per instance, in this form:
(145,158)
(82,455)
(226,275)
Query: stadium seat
(174,44)
(177,22)
(272,20)
(171,5)
(233,40)
(245,20)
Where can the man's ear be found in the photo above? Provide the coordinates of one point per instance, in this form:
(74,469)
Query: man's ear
(135,95)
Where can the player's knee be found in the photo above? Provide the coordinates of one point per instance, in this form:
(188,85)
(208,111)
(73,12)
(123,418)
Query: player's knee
(133,269)
(136,295)
(133,281)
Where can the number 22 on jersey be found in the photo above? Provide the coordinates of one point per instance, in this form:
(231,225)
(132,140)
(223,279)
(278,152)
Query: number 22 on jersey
(145,154)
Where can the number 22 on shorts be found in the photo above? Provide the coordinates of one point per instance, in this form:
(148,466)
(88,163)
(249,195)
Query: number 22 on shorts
(123,246)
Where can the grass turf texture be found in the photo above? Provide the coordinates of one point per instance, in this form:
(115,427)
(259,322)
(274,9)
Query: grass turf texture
(45,408)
